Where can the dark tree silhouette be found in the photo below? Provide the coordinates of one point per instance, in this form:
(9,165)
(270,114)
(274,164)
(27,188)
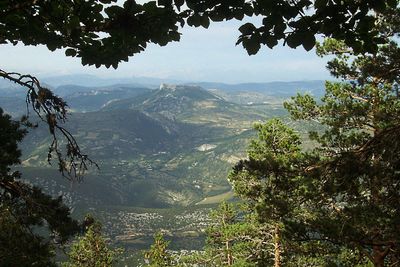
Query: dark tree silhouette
(25,210)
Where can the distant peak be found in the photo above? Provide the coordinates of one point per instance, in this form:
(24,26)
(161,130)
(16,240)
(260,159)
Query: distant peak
(165,86)
(174,87)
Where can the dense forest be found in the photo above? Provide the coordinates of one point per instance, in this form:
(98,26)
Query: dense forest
(332,202)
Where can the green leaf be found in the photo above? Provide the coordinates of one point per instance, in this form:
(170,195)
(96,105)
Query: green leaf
(247,28)
(179,3)
(238,14)
(294,40)
(392,3)
(216,16)
(194,20)
(379,5)
(270,41)
(175,36)
(70,52)
(205,21)
(74,22)
(84,61)
(252,45)
(97,8)
(320,4)
(191,4)
(164,3)
(240,40)
(248,10)
(308,41)
(279,28)
(52,46)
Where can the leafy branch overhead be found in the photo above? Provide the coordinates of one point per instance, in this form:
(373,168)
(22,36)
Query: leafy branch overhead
(101,32)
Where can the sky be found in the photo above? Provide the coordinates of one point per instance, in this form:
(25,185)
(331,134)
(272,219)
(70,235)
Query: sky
(201,55)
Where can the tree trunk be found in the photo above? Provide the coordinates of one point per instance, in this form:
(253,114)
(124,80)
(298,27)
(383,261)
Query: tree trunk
(379,263)
(229,257)
(277,247)
(378,256)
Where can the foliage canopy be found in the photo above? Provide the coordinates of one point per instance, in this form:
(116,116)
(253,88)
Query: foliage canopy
(358,165)
(102,32)
(91,249)
(158,255)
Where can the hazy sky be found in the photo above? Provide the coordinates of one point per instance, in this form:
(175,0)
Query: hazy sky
(201,55)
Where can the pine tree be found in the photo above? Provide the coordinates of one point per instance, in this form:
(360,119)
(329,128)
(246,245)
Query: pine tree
(234,238)
(225,244)
(356,174)
(91,250)
(158,254)
(345,191)
(32,223)
(269,181)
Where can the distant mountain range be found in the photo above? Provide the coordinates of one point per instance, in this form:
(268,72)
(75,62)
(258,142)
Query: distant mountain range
(94,93)
(267,87)
(85,80)
(95,81)
(170,145)
(165,147)
(279,89)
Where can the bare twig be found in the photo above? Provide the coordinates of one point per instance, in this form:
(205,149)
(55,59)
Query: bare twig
(52,110)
